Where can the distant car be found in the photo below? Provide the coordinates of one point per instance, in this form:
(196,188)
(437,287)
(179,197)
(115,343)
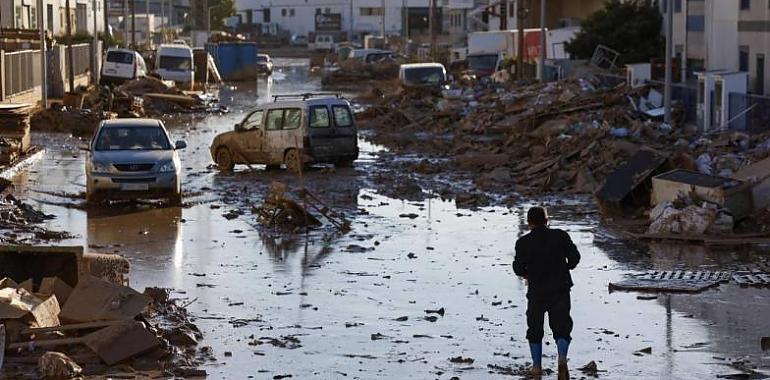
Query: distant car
(298,40)
(422,74)
(310,128)
(131,159)
(264,64)
(175,62)
(371,55)
(121,65)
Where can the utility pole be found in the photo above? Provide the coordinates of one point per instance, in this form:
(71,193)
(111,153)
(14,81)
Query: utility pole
(125,22)
(543,52)
(71,71)
(504,14)
(106,21)
(162,21)
(432,25)
(133,24)
(43,60)
(147,20)
(382,19)
(669,43)
(94,49)
(350,22)
(520,25)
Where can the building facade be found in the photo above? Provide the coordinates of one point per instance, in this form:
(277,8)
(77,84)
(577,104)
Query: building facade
(724,35)
(23,14)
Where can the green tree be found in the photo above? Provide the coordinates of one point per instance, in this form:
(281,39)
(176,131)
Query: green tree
(220,10)
(632,28)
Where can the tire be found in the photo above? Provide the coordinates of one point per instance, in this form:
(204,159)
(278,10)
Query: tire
(292,161)
(345,163)
(176,198)
(225,159)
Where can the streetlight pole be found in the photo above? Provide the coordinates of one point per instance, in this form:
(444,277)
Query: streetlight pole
(70,57)
(94,49)
(669,43)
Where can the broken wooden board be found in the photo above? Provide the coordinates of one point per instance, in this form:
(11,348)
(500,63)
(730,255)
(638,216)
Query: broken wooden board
(663,286)
(17,303)
(629,185)
(94,299)
(112,344)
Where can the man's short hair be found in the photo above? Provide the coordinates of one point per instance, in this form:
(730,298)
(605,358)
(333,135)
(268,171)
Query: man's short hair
(536,216)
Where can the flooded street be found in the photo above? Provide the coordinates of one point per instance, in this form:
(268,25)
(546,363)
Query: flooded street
(328,305)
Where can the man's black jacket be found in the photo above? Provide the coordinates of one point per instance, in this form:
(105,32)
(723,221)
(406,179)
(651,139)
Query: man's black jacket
(545,256)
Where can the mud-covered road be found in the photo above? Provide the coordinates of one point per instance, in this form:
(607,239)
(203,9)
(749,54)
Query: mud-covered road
(332,306)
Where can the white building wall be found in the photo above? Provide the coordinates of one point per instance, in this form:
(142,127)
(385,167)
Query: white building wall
(721,35)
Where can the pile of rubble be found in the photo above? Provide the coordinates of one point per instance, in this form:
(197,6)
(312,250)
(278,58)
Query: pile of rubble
(355,70)
(14,132)
(579,136)
(80,324)
(22,221)
(279,211)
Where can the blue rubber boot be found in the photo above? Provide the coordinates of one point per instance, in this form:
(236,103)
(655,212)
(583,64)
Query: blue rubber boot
(536,349)
(562,346)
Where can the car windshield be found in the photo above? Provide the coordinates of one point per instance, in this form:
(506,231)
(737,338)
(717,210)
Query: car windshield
(424,75)
(120,57)
(132,138)
(482,62)
(175,63)
(261,58)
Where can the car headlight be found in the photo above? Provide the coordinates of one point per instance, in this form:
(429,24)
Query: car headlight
(168,167)
(101,167)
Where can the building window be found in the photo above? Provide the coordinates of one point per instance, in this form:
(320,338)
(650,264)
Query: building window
(318,11)
(371,11)
(327,11)
(745,4)
(266,15)
(284,12)
(291,12)
(743,59)
(678,6)
(49,16)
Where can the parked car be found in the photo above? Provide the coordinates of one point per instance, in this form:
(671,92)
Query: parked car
(323,42)
(130,159)
(294,130)
(298,40)
(422,74)
(264,64)
(121,65)
(175,62)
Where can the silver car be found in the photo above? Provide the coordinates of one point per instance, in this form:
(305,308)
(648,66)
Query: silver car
(131,159)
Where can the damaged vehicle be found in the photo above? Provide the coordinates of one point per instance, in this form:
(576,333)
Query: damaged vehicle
(422,75)
(130,159)
(293,130)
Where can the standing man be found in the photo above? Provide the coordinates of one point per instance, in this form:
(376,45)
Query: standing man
(544,257)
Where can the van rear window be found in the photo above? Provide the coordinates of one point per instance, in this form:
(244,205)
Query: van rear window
(342,116)
(120,57)
(319,117)
(175,63)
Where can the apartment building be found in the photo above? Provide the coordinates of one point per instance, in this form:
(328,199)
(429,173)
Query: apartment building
(23,14)
(724,35)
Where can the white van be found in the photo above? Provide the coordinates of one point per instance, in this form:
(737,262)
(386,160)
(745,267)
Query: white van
(121,65)
(175,63)
(323,42)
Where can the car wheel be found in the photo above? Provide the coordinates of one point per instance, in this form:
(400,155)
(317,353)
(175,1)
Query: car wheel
(176,198)
(225,159)
(292,161)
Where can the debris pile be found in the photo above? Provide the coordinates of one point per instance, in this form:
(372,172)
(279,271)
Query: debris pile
(95,327)
(14,132)
(354,70)
(19,219)
(281,212)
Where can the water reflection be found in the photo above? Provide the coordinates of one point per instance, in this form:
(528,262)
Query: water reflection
(146,233)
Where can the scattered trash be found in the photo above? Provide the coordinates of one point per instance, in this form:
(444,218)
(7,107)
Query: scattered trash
(56,365)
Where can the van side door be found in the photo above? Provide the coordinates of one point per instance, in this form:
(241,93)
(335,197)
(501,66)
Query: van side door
(283,131)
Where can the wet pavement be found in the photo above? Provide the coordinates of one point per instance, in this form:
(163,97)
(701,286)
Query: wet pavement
(331,306)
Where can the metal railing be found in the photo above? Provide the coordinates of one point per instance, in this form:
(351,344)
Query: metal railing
(22,71)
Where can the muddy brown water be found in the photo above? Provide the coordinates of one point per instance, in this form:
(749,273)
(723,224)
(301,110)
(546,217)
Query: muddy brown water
(310,306)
